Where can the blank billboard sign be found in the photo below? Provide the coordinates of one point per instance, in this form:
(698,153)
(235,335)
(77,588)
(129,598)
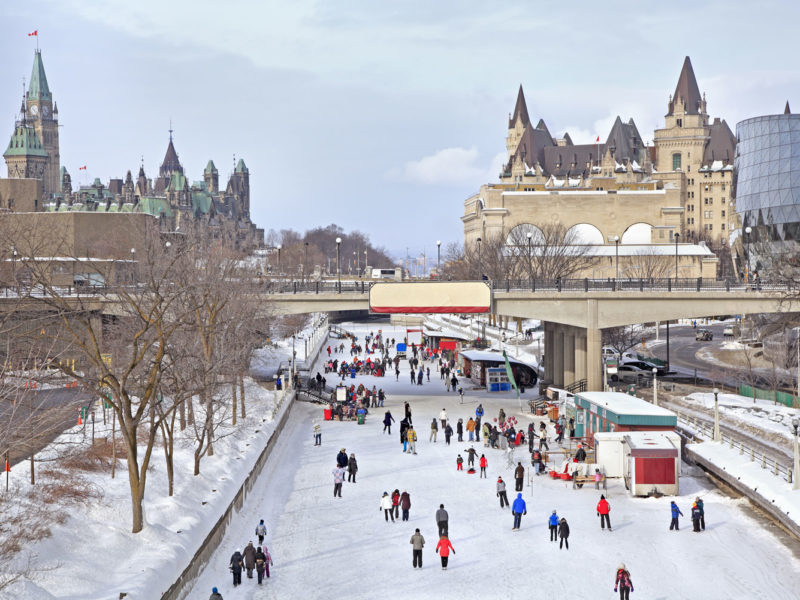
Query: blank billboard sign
(423,297)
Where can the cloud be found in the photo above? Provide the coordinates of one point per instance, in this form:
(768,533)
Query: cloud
(450,166)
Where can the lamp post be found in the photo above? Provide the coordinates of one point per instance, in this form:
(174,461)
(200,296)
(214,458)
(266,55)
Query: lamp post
(616,253)
(133,265)
(305,259)
(716,416)
(439,257)
(479,258)
(338,269)
(677,236)
(748,230)
(279,258)
(358,262)
(655,386)
(365,262)
(14,268)
(795,479)
(529,235)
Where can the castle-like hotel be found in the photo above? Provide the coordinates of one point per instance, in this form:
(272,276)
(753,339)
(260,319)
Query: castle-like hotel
(37,182)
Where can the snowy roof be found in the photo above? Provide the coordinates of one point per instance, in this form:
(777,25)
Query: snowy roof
(623,404)
(634,250)
(445,333)
(487,356)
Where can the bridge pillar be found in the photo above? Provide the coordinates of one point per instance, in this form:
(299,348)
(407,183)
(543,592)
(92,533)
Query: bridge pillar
(558,355)
(594,348)
(549,345)
(569,355)
(580,355)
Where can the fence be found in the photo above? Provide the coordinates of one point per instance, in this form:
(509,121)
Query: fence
(772,395)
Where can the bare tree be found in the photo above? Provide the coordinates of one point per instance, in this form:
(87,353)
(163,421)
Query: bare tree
(648,264)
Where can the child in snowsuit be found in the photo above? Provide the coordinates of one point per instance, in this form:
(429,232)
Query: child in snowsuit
(676,512)
(695,517)
(623,582)
(483,464)
(459,463)
(552,523)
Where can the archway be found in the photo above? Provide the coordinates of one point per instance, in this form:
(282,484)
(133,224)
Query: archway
(638,233)
(583,233)
(518,236)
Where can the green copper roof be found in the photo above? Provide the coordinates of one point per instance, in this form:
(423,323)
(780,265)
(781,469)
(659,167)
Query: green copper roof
(241,167)
(38,88)
(154,206)
(201,201)
(177,182)
(25,142)
(210,168)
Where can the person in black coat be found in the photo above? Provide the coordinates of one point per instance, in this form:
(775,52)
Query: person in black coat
(341,458)
(403,429)
(460,430)
(352,468)
(236,567)
(448,433)
(563,533)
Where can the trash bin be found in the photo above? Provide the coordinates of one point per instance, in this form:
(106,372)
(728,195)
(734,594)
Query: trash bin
(278,384)
(352,373)
(328,414)
(360,419)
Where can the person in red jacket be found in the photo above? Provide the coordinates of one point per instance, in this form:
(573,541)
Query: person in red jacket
(396,503)
(602,510)
(484,463)
(443,549)
(623,582)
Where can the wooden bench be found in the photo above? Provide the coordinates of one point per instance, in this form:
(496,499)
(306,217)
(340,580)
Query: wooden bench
(579,480)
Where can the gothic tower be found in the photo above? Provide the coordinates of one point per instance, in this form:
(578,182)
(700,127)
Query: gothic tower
(42,114)
(211,177)
(25,156)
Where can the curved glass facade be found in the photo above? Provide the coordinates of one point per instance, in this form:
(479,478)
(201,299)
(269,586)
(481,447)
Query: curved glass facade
(767,184)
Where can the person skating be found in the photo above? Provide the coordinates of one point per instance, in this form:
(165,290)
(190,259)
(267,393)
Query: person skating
(501,416)
(236,565)
(543,437)
(403,431)
(552,523)
(215,595)
(676,512)
(454,382)
(623,582)
(699,502)
(580,455)
(471,429)
(448,433)
(341,458)
(460,430)
(396,503)
(352,468)
(338,479)
(603,510)
(434,431)
(459,463)
(483,463)
(471,456)
(261,531)
(261,562)
(519,476)
(443,418)
(317,433)
(417,543)
(518,509)
(501,492)
(387,422)
(386,506)
(405,504)
(408,413)
(411,435)
(442,520)
(443,549)
(563,533)
(695,518)
(268,562)
(249,556)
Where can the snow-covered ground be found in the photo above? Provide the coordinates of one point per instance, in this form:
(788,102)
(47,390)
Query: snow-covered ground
(326,547)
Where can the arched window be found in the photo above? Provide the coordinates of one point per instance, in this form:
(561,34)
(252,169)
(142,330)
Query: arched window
(676,161)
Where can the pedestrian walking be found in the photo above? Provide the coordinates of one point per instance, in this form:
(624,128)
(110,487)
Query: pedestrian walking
(623,582)
(338,479)
(261,561)
(501,492)
(519,476)
(352,468)
(563,533)
(552,523)
(412,440)
(602,511)
(459,463)
(405,504)
(261,531)
(448,433)
(317,433)
(215,595)
(518,509)
(434,431)
(236,565)
(386,506)
(443,418)
(699,501)
(483,464)
(443,549)
(387,422)
(442,520)
(417,544)
(676,512)
(460,430)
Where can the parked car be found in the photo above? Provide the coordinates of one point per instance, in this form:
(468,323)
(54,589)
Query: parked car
(645,366)
(629,373)
(703,335)
(731,331)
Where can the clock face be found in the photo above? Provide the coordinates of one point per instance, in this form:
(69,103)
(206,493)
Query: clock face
(34,110)
(45,111)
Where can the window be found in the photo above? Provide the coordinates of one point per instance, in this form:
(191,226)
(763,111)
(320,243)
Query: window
(705,201)
(680,122)
(723,187)
(723,227)
(723,213)
(676,161)
(661,234)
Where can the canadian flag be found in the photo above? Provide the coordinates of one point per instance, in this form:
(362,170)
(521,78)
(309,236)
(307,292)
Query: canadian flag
(34,33)
(83,168)
(598,139)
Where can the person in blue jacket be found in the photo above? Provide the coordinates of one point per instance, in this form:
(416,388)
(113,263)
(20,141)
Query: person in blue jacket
(518,508)
(676,512)
(552,522)
(479,411)
(341,458)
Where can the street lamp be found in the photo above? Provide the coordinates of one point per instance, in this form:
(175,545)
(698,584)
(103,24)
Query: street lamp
(338,269)
(716,416)
(677,235)
(479,257)
(133,265)
(795,479)
(279,258)
(616,253)
(358,262)
(529,235)
(748,230)
(14,267)
(305,259)
(655,386)
(439,257)
(365,262)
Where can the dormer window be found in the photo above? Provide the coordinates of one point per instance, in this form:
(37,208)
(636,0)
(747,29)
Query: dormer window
(679,122)
(676,161)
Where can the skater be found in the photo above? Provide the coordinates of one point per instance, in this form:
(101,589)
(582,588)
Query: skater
(396,503)
(501,492)
(598,477)
(580,455)
(676,512)
(461,394)
(483,464)
(317,433)
(519,475)
(268,561)
(434,431)
(352,468)
(443,418)
(501,416)
(441,520)
(338,479)
(341,458)
(215,595)
(261,561)
(411,435)
(454,382)
(405,504)
(249,556)
(695,518)
(236,567)
(408,413)
(417,543)
(471,458)
(460,430)
(602,511)
(443,549)
(261,531)
(563,533)
(448,433)
(403,431)
(397,373)
(471,429)
(623,582)
(459,463)
(428,373)
(543,437)
(699,502)
(518,509)
(386,506)
(387,422)
(552,523)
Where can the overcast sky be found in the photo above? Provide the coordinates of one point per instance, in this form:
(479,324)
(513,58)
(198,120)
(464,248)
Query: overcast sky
(380,116)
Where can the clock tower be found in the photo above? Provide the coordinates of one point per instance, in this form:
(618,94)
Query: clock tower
(42,115)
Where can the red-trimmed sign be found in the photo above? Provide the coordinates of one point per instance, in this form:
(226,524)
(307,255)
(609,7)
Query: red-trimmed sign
(425,297)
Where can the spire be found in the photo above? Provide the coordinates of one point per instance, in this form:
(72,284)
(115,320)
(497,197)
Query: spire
(241,167)
(520,110)
(687,90)
(786,110)
(38,88)
(170,163)
(210,167)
